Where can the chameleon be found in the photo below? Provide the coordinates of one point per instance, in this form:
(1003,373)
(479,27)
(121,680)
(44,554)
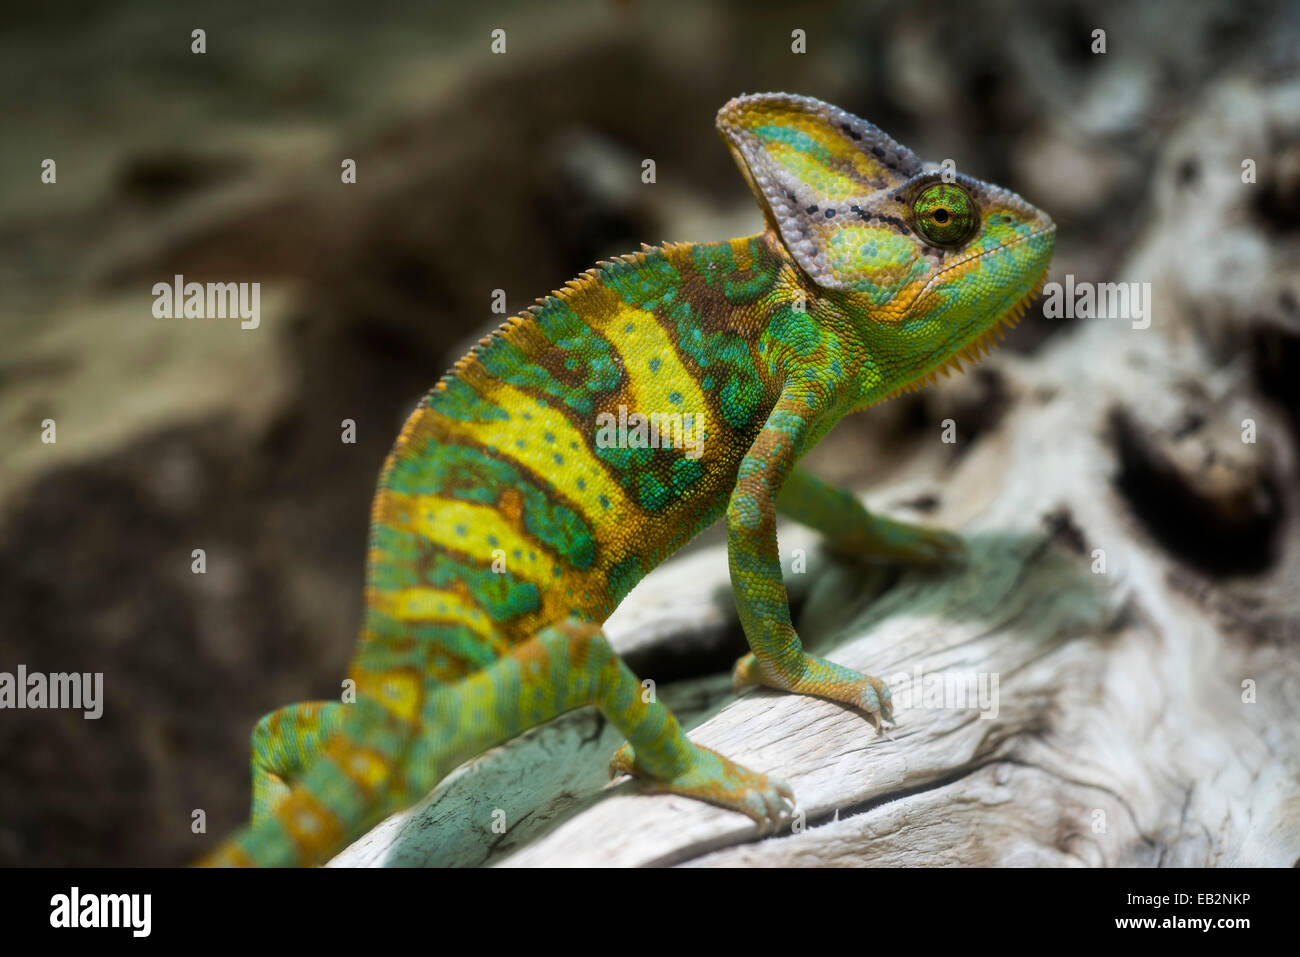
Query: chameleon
(525,496)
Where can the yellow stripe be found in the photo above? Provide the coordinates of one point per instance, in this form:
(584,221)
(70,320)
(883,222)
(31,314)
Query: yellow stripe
(367,768)
(640,340)
(740,249)
(478,531)
(827,180)
(398,692)
(522,439)
(435,604)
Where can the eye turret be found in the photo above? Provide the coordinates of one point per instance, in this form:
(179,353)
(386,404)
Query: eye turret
(944,214)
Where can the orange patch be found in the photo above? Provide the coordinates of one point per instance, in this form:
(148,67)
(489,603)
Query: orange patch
(312,826)
(511,505)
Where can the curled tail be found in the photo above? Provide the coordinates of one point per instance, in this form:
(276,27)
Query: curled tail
(346,762)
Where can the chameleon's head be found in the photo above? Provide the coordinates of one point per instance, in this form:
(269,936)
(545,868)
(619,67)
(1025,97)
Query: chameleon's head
(925,263)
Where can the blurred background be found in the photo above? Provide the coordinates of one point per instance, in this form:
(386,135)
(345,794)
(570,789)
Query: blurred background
(475,171)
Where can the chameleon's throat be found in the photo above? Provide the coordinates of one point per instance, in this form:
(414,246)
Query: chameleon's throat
(974,350)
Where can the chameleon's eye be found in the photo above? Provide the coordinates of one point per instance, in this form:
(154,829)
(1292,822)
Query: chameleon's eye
(945,214)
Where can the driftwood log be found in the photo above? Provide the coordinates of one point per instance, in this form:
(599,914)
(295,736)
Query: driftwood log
(1112,678)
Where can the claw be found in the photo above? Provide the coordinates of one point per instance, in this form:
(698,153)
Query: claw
(783,789)
(717,780)
(622,762)
(745,673)
(935,547)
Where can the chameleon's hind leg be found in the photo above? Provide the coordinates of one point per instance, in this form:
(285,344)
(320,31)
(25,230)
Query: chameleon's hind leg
(284,743)
(572,665)
(854,532)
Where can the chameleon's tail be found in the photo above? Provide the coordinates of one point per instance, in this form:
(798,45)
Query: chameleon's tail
(347,789)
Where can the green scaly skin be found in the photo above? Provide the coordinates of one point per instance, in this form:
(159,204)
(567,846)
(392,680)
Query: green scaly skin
(507,524)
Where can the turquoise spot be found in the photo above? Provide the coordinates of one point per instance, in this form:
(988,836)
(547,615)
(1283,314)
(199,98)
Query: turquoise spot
(786,422)
(686,472)
(625,459)
(654,494)
(739,400)
(623,576)
(745,512)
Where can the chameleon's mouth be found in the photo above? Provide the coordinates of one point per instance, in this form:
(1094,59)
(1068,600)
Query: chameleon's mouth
(980,346)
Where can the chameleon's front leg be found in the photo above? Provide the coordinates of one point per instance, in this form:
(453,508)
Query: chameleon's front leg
(778,659)
(852,531)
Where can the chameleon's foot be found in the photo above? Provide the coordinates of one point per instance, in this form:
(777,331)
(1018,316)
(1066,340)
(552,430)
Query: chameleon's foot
(823,679)
(769,801)
(909,544)
(934,546)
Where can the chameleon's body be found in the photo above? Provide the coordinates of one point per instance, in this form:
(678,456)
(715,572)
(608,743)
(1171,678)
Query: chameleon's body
(505,529)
